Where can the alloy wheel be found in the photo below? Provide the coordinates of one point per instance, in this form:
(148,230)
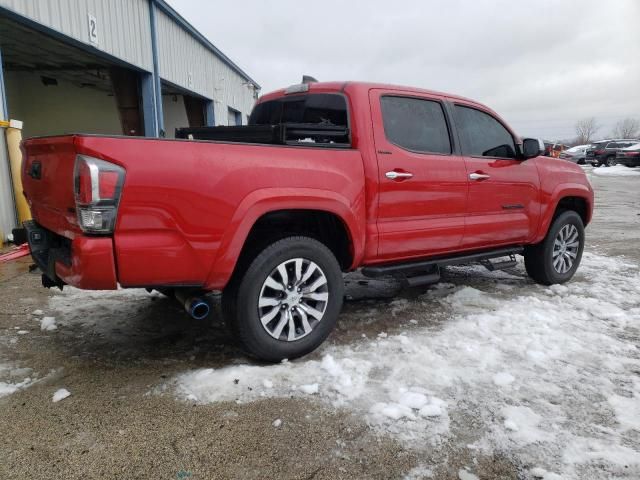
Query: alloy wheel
(293,299)
(565,248)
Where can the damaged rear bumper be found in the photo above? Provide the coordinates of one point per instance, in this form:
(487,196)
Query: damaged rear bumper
(84,262)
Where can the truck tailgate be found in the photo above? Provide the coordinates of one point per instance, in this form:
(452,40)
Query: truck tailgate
(47,179)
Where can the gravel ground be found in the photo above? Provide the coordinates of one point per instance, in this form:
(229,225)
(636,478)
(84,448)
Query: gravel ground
(122,419)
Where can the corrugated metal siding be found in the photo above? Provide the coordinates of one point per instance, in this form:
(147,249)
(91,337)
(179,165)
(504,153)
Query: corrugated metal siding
(124,30)
(185,62)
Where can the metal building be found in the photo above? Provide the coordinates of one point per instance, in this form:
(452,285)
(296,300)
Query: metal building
(125,67)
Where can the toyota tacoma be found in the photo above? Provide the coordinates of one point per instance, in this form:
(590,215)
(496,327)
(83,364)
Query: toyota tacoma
(326,178)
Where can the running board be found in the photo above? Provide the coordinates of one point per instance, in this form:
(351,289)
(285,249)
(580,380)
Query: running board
(421,266)
(424,279)
(501,265)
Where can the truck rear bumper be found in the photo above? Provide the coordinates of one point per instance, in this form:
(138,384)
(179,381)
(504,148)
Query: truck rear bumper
(84,262)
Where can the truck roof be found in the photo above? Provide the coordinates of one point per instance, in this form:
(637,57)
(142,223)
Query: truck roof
(342,86)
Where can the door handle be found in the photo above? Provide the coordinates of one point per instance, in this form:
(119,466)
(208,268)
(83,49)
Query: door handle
(478,176)
(393,175)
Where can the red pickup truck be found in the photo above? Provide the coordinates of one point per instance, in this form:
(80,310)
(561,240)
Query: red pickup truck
(326,178)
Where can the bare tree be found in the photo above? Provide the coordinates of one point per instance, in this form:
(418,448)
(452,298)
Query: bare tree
(627,128)
(586,130)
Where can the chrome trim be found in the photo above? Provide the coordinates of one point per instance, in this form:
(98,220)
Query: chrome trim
(95,179)
(392,175)
(478,176)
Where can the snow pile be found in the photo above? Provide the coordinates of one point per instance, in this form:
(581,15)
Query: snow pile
(465,475)
(48,324)
(60,394)
(616,171)
(551,372)
(13,379)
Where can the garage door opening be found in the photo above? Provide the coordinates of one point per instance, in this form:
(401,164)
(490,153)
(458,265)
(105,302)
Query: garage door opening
(57,88)
(182,109)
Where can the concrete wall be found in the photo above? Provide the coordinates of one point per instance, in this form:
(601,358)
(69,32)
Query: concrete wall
(123,26)
(64,108)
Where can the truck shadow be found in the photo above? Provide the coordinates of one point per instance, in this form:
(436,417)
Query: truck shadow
(123,327)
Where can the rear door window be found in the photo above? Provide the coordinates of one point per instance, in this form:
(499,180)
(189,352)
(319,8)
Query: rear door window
(415,124)
(482,135)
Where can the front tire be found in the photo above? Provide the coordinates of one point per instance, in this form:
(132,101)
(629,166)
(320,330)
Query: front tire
(287,302)
(610,161)
(557,257)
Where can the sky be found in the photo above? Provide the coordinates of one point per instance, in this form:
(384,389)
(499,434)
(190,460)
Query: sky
(541,64)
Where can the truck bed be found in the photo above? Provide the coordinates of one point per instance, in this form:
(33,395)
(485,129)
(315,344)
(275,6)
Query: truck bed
(281,134)
(185,204)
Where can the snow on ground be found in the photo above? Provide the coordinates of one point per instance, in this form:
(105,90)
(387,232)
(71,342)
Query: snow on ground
(98,309)
(551,372)
(616,171)
(13,379)
(48,324)
(60,394)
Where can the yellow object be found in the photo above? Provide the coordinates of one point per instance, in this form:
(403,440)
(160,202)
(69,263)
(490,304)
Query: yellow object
(14,137)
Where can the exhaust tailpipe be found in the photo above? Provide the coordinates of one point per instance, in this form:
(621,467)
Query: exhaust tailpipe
(195,306)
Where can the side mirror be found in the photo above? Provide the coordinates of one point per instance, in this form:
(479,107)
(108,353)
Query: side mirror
(532,147)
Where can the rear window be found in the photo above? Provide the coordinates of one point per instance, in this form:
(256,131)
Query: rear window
(315,119)
(317,108)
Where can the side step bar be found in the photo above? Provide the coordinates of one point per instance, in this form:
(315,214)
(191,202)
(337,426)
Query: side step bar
(502,265)
(433,265)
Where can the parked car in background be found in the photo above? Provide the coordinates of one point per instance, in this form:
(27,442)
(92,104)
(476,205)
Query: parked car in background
(629,156)
(575,154)
(553,149)
(604,152)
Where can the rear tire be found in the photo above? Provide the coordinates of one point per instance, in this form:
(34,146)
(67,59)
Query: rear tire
(299,309)
(557,257)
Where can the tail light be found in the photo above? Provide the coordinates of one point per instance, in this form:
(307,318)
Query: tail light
(97,188)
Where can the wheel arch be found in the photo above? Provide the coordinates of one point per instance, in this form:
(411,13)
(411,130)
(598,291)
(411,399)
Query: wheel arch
(567,197)
(265,216)
(575,203)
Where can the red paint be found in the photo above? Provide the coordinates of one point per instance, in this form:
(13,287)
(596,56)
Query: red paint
(15,253)
(92,264)
(187,206)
